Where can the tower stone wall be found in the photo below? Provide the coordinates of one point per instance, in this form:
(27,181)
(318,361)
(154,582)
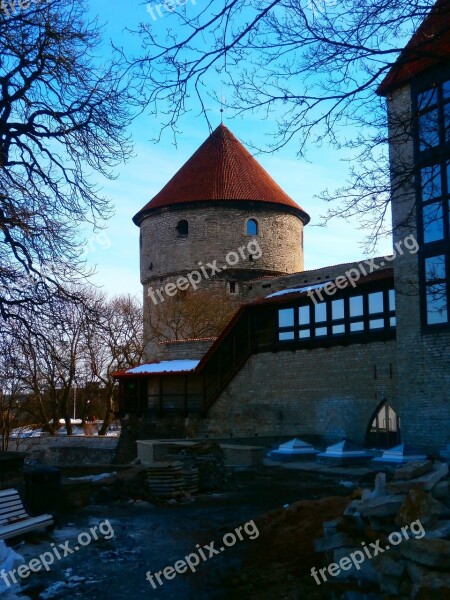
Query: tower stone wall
(219,234)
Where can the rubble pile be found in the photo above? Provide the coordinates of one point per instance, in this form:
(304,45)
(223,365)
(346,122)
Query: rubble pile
(413,562)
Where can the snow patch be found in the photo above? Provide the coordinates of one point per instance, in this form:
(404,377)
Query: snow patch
(299,290)
(165,366)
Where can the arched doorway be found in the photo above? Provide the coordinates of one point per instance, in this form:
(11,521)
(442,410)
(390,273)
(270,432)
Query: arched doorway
(383,430)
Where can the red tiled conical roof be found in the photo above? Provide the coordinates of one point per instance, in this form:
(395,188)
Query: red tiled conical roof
(221,169)
(428,47)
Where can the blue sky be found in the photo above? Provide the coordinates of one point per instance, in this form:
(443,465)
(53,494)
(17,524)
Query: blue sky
(115,252)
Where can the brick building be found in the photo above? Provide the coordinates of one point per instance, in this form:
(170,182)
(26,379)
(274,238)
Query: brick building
(360,350)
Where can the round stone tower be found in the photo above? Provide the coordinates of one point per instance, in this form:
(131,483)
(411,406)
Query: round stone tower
(219,222)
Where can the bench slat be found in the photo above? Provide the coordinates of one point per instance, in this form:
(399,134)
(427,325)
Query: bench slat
(11,498)
(25,526)
(13,516)
(12,508)
(6,505)
(10,492)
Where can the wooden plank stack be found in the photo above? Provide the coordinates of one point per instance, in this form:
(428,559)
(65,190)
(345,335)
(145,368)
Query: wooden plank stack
(165,479)
(207,458)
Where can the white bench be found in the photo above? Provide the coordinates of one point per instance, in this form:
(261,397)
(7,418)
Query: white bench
(14,520)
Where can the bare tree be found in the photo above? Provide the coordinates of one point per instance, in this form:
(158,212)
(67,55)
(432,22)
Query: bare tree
(63,114)
(73,345)
(50,349)
(113,343)
(11,385)
(312,65)
(189,315)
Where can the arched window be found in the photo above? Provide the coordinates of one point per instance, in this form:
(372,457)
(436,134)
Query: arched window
(252,227)
(384,428)
(182,228)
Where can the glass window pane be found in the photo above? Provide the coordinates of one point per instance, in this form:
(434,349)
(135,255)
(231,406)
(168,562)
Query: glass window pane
(356,306)
(358,326)
(430,178)
(436,304)
(446,89)
(393,322)
(433,224)
(447,121)
(429,129)
(338,329)
(286,335)
(286,317)
(320,331)
(427,98)
(304,333)
(435,268)
(252,227)
(321,312)
(303,315)
(337,309)
(376,323)
(376,302)
(391,299)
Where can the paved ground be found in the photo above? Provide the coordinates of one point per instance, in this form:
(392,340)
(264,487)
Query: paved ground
(151,538)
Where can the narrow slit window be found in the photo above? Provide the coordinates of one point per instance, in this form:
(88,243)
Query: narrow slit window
(182,228)
(252,227)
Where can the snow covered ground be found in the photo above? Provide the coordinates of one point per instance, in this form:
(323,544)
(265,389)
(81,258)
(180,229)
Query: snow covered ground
(33,432)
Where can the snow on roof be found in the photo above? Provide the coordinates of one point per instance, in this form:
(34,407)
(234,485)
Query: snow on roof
(165,366)
(299,290)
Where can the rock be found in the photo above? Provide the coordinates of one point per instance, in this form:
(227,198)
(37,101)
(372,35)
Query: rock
(445,454)
(428,584)
(413,470)
(352,524)
(339,540)
(356,494)
(441,491)
(366,494)
(419,506)
(330,527)
(352,508)
(425,482)
(384,506)
(390,564)
(442,530)
(380,486)
(390,585)
(366,571)
(427,552)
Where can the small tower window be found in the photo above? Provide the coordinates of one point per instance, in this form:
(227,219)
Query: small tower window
(182,229)
(252,227)
(233,289)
